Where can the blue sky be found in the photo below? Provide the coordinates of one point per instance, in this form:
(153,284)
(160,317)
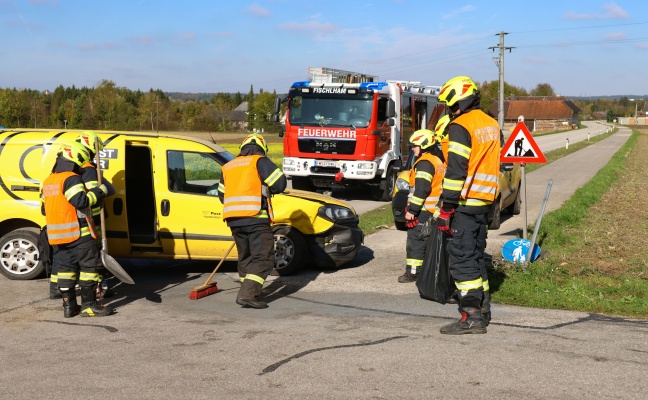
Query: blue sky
(580,47)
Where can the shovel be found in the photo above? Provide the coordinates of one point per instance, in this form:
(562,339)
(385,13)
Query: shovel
(108,261)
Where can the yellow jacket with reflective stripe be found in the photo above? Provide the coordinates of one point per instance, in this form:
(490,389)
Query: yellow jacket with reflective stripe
(432,200)
(243,197)
(61,217)
(483,164)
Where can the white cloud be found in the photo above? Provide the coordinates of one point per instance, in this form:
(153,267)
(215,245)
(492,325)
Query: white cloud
(462,10)
(257,10)
(612,11)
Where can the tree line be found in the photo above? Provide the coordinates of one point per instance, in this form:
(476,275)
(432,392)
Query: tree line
(109,107)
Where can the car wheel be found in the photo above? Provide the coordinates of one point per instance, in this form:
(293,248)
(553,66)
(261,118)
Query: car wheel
(400,226)
(290,250)
(302,183)
(385,194)
(515,207)
(19,255)
(496,212)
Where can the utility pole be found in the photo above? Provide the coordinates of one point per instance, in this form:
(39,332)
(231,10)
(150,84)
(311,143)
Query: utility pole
(500,64)
(157,115)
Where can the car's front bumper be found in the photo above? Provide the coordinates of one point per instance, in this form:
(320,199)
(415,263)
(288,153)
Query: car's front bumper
(337,246)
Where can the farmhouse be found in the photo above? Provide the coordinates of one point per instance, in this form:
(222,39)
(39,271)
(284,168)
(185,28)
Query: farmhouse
(541,113)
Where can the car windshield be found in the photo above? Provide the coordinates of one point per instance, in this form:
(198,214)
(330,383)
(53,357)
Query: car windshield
(354,112)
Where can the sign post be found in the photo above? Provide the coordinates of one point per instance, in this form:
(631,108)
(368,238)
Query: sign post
(521,147)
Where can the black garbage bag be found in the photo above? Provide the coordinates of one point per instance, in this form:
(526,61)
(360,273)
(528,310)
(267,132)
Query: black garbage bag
(434,281)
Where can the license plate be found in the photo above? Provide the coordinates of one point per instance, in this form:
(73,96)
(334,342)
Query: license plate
(324,163)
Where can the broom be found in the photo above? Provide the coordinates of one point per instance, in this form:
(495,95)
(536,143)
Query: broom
(208,287)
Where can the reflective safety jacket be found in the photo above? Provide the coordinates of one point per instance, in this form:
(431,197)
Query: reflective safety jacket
(62,218)
(426,182)
(243,197)
(472,174)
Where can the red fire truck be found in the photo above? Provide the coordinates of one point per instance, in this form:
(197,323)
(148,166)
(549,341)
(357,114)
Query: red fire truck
(345,128)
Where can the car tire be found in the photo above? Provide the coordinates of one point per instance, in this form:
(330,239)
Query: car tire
(515,207)
(19,255)
(290,250)
(495,219)
(302,183)
(385,194)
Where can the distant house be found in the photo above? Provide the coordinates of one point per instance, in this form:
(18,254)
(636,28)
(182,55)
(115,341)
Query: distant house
(541,113)
(239,117)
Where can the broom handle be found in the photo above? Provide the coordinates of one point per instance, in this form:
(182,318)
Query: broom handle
(219,264)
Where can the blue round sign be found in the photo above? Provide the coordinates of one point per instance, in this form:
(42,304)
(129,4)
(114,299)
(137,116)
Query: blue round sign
(517,250)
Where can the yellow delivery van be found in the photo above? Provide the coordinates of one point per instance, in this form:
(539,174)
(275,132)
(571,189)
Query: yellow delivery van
(165,206)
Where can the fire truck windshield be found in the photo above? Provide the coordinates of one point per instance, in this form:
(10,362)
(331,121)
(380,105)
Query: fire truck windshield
(355,112)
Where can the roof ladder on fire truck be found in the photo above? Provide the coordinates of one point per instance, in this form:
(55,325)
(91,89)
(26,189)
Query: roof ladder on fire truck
(332,75)
(416,87)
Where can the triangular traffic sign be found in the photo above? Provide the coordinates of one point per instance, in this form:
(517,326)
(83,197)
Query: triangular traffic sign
(521,147)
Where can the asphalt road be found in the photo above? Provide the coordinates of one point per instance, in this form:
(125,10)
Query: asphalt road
(354,333)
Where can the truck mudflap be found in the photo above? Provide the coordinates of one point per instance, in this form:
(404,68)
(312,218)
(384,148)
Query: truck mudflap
(337,246)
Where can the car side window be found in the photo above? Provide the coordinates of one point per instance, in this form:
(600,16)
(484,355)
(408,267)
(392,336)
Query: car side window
(193,172)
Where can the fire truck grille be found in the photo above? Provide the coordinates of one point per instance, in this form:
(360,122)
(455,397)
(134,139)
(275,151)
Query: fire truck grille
(324,146)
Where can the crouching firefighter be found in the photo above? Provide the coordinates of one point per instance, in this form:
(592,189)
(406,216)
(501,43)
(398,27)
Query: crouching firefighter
(66,204)
(245,188)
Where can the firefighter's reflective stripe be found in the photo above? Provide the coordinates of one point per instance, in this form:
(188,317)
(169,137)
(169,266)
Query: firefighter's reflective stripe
(90,276)
(414,262)
(432,200)
(67,276)
(90,184)
(244,187)
(466,286)
(255,278)
(270,180)
(481,183)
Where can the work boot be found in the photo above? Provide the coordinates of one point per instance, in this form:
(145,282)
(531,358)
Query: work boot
(486,308)
(251,303)
(70,305)
(89,305)
(408,276)
(54,292)
(471,322)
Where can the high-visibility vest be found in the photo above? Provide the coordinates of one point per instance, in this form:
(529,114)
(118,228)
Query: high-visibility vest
(432,199)
(61,217)
(480,186)
(243,195)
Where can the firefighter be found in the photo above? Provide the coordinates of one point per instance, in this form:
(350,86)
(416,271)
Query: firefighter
(426,176)
(245,189)
(90,179)
(469,189)
(66,204)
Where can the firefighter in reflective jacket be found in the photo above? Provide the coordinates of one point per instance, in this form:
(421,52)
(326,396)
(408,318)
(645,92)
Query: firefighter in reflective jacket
(245,189)
(426,176)
(70,230)
(469,189)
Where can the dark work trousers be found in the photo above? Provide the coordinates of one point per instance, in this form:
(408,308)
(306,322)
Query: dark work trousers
(255,245)
(415,246)
(83,258)
(466,252)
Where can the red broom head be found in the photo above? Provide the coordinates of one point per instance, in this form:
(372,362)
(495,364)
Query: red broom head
(198,294)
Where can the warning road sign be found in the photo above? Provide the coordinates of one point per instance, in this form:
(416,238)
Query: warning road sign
(521,147)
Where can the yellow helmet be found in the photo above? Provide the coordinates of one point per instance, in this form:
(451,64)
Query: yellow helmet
(440,129)
(423,138)
(87,139)
(257,139)
(75,152)
(456,89)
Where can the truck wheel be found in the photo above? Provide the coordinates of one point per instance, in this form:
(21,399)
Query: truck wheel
(290,250)
(19,256)
(385,193)
(515,207)
(496,211)
(302,183)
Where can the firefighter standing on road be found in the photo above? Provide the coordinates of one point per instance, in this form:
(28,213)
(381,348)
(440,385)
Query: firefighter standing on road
(71,231)
(426,176)
(245,188)
(469,189)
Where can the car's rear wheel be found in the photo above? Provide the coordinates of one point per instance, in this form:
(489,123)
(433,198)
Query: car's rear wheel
(496,212)
(515,207)
(290,250)
(19,255)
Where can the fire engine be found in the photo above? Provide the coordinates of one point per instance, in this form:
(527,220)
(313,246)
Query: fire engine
(346,128)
